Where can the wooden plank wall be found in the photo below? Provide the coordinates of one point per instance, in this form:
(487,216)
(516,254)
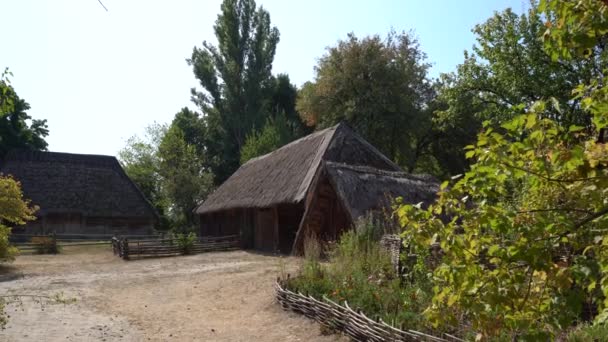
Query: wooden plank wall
(326,218)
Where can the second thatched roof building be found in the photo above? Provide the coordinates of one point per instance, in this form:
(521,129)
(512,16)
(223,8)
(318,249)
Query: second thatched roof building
(317,185)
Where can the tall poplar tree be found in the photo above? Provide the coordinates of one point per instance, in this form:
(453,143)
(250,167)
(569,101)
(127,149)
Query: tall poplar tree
(236,81)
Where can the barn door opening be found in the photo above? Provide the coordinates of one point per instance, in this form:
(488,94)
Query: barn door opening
(264,238)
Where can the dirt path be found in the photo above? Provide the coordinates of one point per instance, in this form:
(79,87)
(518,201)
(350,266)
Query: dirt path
(207,297)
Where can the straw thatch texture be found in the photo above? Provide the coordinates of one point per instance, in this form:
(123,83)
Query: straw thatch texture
(282,176)
(285,175)
(91,185)
(363,188)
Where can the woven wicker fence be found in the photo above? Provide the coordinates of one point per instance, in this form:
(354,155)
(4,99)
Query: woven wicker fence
(352,323)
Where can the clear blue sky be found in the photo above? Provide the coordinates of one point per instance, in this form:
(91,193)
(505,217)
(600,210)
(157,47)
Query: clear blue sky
(100,77)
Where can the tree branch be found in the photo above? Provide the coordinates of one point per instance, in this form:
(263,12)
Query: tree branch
(551,179)
(591,217)
(556,209)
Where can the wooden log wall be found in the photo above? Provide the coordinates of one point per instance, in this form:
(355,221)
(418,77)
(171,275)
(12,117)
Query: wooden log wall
(354,324)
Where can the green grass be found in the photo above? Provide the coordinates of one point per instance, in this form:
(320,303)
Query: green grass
(360,272)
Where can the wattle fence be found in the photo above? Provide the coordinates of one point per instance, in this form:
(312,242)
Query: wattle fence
(128,249)
(352,323)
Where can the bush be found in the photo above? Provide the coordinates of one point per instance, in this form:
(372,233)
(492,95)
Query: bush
(14,210)
(589,333)
(7,252)
(186,242)
(360,272)
(45,245)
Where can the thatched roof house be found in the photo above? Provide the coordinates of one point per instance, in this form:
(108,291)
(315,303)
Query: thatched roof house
(79,194)
(318,184)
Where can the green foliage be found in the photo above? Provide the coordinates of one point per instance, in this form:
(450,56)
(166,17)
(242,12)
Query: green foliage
(6,100)
(46,245)
(140,160)
(184,178)
(15,132)
(14,210)
(589,333)
(7,252)
(282,106)
(169,167)
(574,28)
(523,233)
(274,134)
(360,272)
(506,72)
(237,80)
(509,69)
(186,241)
(193,126)
(380,87)
(522,251)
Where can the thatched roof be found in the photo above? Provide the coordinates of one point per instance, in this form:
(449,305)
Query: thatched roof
(285,175)
(363,188)
(92,185)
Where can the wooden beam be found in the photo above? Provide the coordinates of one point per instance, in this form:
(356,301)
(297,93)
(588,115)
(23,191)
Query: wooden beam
(44,224)
(309,202)
(275,218)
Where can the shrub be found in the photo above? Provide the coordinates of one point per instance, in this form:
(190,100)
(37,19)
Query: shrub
(186,242)
(7,252)
(360,272)
(589,333)
(45,245)
(14,210)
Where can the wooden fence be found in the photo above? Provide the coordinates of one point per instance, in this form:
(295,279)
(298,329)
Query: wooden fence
(352,323)
(52,243)
(77,238)
(127,249)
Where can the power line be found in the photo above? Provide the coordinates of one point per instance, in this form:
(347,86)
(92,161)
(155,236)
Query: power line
(102,5)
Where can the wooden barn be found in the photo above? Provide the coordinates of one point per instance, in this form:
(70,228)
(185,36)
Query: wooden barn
(79,194)
(319,184)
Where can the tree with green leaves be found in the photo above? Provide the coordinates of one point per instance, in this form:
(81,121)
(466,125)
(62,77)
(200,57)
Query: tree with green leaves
(15,131)
(523,233)
(14,210)
(236,79)
(282,106)
(185,181)
(140,160)
(275,133)
(509,68)
(380,87)
(194,128)
(507,71)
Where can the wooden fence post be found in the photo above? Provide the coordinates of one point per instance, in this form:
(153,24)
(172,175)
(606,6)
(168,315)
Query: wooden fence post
(54,242)
(114,249)
(125,249)
(119,247)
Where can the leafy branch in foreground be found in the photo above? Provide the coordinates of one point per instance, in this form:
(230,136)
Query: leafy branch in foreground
(516,257)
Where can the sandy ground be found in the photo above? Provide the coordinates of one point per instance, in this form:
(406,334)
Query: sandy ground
(223,296)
